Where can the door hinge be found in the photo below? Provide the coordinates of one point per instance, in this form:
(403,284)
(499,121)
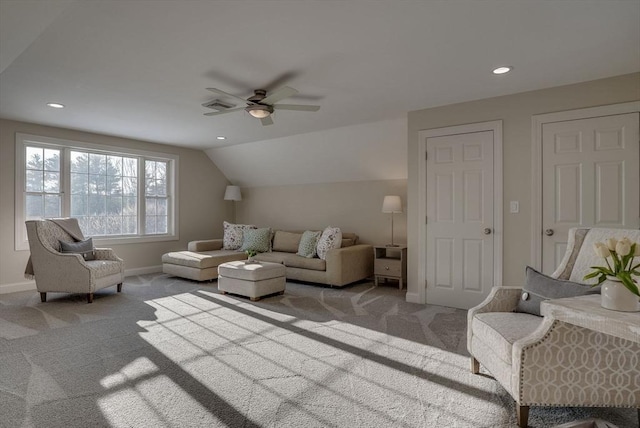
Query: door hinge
(426,155)
(426,219)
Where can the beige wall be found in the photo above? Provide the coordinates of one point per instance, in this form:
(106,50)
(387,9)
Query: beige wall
(201,207)
(354,206)
(515,111)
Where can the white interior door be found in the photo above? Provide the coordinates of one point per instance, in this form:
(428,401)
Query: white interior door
(460,215)
(590,177)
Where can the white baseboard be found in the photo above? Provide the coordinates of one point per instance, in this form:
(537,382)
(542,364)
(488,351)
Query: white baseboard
(18,286)
(31,285)
(413,298)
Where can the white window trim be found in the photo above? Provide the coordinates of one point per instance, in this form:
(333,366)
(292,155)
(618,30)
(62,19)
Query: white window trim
(21,243)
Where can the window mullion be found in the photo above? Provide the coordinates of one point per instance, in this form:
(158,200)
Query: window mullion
(65,182)
(142,209)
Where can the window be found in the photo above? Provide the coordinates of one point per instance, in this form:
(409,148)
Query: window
(117,195)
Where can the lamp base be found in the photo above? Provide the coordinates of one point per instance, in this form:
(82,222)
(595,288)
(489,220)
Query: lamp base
(392,245)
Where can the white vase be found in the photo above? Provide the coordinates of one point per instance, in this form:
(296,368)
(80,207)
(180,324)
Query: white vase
(617,297)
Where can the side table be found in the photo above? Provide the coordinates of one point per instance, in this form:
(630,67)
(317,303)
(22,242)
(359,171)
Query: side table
(390,263)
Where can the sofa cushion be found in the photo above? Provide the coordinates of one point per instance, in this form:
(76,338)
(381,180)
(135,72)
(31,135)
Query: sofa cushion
(233,235)
(499,330)
(258,240)
(308,243)
(539,287)
(350,238)
(202,260)
(331,238)
(293,260)
(286,241)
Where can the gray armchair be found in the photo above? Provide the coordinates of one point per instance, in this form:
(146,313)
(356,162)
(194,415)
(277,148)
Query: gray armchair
(67,272)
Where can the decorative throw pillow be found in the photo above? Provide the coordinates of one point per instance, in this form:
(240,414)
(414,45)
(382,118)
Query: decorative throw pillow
(84,248)
(308,242)
(232,239)
(539,287)
(258,240)
(331,238)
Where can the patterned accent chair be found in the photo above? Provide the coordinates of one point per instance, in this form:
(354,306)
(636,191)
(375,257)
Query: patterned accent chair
(542,361)
(65,272)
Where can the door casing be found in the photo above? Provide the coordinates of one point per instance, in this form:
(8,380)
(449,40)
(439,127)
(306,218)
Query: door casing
(537,122)
(496,127)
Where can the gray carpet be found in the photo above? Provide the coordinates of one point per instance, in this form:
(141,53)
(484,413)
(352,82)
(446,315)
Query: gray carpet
(169,352)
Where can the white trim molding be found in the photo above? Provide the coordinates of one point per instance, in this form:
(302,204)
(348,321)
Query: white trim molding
(498,227)
(537,122)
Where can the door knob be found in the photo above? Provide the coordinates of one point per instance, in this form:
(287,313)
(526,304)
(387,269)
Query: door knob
(549,232)
(487,231)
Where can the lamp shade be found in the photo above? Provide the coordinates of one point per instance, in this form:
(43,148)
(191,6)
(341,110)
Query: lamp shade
(392,204)
(232,193)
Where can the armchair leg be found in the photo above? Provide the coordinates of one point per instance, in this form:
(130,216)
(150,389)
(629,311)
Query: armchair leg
(522,413)
(43,297)
(475,366)
(119,287)
(89,297)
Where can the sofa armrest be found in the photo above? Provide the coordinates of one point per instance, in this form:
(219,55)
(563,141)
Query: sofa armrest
(349,264)
(205,245)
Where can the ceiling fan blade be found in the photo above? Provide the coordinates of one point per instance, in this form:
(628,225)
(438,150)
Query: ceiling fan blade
(299,107)
(226,94)
(266,121)
(215,113)
(278,95)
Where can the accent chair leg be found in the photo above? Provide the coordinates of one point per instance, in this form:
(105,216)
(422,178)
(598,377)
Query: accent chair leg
(89,297)
(522,413)
(119,287)
(475,366)
(43,297)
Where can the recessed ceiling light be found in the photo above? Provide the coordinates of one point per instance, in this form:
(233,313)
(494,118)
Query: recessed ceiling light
(502,70)
(220,137)
(55,105)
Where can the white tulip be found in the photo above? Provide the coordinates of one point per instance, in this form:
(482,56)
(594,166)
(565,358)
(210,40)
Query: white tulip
(623,248)
(627,240)
(636,253)
(601,250)
(611,243)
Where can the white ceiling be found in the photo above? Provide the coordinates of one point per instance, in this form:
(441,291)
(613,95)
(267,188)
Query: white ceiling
(139,69)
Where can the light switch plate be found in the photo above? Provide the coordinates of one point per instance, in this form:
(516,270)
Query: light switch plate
(514,207)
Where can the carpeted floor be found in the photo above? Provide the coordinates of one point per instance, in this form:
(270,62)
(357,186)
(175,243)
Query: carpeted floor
(170,352)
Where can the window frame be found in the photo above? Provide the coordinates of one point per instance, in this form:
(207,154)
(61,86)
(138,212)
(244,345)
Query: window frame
(66,146)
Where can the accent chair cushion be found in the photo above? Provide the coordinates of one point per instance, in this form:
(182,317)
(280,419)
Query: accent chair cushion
(233,235)
(258,240)
(331,238)
(539,287)
(308,243)
(499,330)
(84,248)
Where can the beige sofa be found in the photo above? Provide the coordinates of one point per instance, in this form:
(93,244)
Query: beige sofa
(350,263)
(544,361)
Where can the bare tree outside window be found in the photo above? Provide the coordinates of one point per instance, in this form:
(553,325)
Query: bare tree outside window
(42,183)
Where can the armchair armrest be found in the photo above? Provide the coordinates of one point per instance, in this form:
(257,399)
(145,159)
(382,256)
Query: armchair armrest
(205,245)
(500,299)
(106,254)
(349,264)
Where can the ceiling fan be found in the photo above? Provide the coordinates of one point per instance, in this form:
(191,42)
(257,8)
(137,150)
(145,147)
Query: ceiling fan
(259,105)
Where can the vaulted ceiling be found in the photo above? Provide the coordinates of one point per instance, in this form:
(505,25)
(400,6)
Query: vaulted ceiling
(139,69)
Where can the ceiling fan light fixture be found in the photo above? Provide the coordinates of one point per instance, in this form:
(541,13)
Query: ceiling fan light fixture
(259,111)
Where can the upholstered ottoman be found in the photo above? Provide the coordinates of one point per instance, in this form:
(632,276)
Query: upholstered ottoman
(199,266)
(253,280)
